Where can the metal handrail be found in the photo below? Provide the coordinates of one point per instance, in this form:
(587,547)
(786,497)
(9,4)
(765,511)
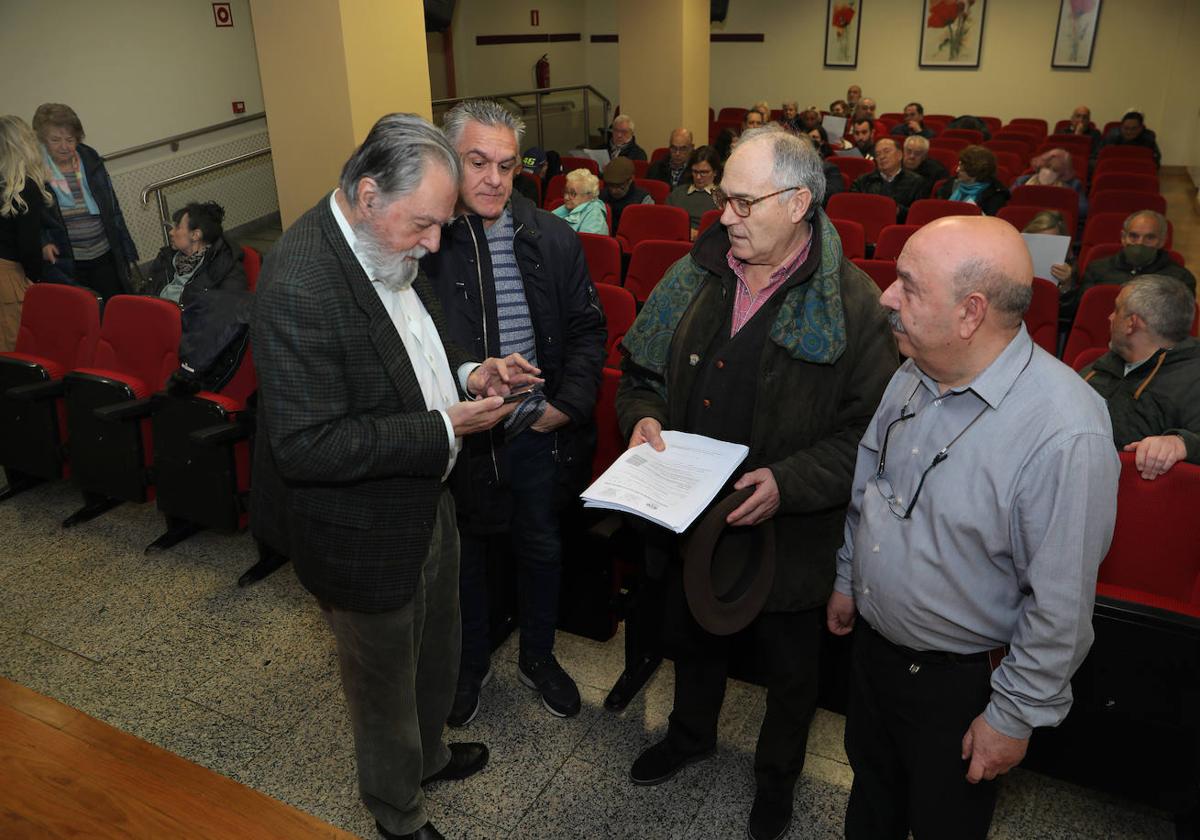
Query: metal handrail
(173,140)
(158,186)
(538,93)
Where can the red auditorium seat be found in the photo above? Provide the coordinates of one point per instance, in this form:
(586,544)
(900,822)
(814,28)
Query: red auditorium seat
(108,402)
(650,260)
(1031,122)
(731,114)
(1124,181)
(609,441)
(1126,201)
(1041,319)
(603,256)
(1077,143)
(1137,166)
(946,157)
(925,210)
(953,144)
(710,217)
(620,309)
(1018,215)
(1063,199)
(1136,152)
(653,221)
(883,272)
(1086,357)
(1091,327)
(1107,249)
(854,240)
(659,190)
(993,123)
(59,328)
(892,239)
(1018,146)
(569,164)
(660,153)
(252,265)
(1009,160)
(972,136)
(1107,227)
(554,191)
(852,167)
(640,167)
(873,212)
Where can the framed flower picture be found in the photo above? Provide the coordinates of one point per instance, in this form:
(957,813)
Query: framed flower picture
(1076,34)
(952,33)
(841,33)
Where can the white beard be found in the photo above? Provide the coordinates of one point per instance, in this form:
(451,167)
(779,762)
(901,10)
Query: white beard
(396,270)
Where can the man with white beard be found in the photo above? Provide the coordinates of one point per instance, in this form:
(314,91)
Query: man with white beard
(363,406)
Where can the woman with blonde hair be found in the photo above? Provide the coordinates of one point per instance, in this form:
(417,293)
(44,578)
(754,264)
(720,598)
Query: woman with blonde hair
(582,208)
(23,199)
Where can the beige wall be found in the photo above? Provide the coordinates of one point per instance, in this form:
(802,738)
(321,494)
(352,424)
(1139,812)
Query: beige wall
(134,70)
(1143,50)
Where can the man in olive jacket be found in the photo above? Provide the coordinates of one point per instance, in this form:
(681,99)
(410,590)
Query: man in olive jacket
(764,335)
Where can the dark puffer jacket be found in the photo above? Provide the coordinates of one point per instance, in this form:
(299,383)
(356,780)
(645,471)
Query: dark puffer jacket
(569,331)
(221,268)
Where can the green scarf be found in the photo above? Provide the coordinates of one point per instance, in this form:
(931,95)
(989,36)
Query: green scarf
(811,325)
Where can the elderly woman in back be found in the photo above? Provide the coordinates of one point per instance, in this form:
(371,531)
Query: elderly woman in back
(89,244)
(582,208)
(23,199)
(697,197)
(1055,169)
(975,181)
(199,257)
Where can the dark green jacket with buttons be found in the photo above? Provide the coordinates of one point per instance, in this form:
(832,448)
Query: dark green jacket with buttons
(808,416)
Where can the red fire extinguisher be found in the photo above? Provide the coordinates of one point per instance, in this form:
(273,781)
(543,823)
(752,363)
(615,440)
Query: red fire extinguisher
(541,72)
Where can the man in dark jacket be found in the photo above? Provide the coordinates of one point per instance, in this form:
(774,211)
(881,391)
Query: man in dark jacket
(622,141)
(513,279)
(765,335)
(918,161)
(890,178)
(1133,132)
(360,418)
(1150,378)
(620,191)
(1143,237)
(914,122)
(673,169)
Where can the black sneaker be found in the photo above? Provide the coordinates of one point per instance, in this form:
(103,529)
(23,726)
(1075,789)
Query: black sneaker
(559,694)
(466,700)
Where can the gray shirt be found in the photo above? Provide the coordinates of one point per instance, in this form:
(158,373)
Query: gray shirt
(1008,532)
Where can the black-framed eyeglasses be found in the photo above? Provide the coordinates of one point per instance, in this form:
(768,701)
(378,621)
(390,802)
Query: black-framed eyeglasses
(881,481)
(741,206)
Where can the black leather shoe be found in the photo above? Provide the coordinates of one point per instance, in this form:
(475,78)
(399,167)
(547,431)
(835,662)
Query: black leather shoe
(547,677)
(466,700)
(466,759)
(770,816)
(425,832)
(661,762)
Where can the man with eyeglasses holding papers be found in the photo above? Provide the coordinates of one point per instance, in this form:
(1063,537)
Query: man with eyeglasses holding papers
(984,499)
(765,335)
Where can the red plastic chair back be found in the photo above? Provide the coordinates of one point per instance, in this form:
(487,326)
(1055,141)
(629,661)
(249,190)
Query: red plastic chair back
(892,239)
(620,310)
(969,134)
(640,168)
(993,123)
(1041,319)
(570,164)
(554,192)
(1063,199)
(1136,152)
(883,272)
(946,157)
(710,218)
(854,239)
(659,190)
(603,256)
(852,167)
(1015,141)
(660,153)
(873,212)
(650,261)
(60,324)
(609,441)
(1091,328)
(1136,166)
(653,221)
(1018,215)
(953,144)
(925,210)
(1087,356)
(252,265)
(1124,181)
(139,337)
(731,114)
(1126,201)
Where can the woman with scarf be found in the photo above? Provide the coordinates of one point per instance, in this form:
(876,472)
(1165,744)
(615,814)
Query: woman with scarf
(199,257)
(23,199)
(87,243)
(975,181)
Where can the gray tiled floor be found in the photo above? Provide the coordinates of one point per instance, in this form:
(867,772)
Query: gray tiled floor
(245,682)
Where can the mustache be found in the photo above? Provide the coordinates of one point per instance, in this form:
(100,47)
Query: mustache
(893,317)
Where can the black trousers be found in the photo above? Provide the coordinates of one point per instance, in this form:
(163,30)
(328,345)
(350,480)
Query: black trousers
(101,275)
(788,647)
(904,731)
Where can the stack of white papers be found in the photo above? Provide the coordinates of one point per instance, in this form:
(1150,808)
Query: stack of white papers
(670,488)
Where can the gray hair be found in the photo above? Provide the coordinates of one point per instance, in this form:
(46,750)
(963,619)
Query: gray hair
(917,142)
(1164,303)
(483,111)
(395,154)
(623,119)
(1005,294)
(796,161)
(1159,219)
(584,181)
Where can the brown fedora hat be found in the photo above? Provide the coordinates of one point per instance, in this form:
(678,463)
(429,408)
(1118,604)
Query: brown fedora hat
(728,571)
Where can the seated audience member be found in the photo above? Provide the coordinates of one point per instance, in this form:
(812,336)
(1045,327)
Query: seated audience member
(764,108)
(582,208)
(623,142)
(821,140)
(673,169)
(23,200)
(1082,125)
(839,108)
(835,182)
(535,164)
(790,111)
(973,123)
(853,95)
(862,135)
(914,122)
(1133,132)
(199,258)
(1150,377)
(917,160)
(1055,169)
(890,178)
(808,119)
(620,191)
(975,181)
(725,142)
(1142,252)
(866,108)
(753,119)
(696,198)
(1052,223)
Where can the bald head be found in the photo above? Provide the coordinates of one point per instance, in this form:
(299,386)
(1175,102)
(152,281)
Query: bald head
(986,255)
